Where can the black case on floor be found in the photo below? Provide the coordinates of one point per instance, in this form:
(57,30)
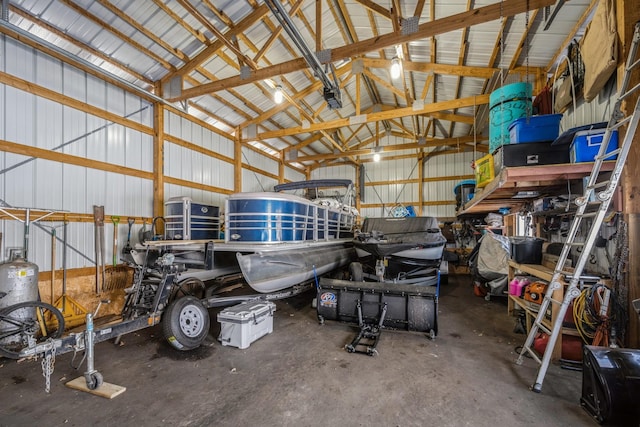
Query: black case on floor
(409,307)
(530,154)
(611,385)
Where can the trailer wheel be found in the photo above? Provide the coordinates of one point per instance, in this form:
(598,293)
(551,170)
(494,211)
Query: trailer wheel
(355,269)
(185,324)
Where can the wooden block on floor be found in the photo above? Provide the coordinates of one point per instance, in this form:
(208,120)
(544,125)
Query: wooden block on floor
(107,390)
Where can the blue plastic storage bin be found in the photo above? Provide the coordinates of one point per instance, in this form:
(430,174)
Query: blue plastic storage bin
(464,191)
(586,144)
(535,129)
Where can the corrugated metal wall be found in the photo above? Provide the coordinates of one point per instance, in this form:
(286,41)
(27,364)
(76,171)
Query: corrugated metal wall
(598,110)
(195,166)
(386,186)
(253,180)
(441,190)
(34,121)
(36,183)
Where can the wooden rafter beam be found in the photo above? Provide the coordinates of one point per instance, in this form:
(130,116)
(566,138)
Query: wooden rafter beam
(426,30)
(119,34)
(383,115)
(375,8)
(195,33)
(390,148)
(211,49)
(572,34)
(299,94)
(523,41)
(65,36)
(219,35)
(143,30)
(428,67)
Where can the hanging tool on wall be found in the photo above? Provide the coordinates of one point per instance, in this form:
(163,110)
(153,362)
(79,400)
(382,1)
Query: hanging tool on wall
(117,274)
(126,249)
(115,220)
(98,221)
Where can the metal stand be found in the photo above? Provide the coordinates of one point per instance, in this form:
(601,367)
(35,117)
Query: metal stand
(367,339)
(91,375)
(27,222)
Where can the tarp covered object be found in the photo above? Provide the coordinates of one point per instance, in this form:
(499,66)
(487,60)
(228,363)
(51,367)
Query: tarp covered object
(600,49)
(491,262)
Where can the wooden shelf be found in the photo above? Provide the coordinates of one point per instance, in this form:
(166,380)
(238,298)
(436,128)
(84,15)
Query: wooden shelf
(545,180)
(537,270)
(544,273)
(531,314)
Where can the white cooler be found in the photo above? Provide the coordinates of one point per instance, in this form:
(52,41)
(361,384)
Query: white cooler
(244,323)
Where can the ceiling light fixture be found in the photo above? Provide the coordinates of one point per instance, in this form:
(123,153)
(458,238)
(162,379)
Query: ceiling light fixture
(376,153)
(395,68)
(278,96)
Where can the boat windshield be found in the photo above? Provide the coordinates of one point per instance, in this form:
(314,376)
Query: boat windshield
(331,192)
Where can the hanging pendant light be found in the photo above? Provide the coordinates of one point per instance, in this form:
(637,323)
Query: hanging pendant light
(395,68)
(278,96)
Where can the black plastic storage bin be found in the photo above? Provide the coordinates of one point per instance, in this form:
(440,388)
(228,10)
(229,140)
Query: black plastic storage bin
(526,250)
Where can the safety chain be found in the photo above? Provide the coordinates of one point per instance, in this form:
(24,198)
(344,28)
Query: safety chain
(622,255)
(48,365)
(502,18)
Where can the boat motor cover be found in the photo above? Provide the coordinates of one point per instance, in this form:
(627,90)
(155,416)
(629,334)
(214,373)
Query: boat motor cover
(491,262)
(493,256)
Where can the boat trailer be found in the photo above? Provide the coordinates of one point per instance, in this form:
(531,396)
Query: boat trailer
(152,299)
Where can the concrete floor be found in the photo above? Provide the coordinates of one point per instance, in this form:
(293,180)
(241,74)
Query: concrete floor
(301,376)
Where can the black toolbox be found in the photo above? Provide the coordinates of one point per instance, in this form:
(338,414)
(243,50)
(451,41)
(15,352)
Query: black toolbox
(530,154)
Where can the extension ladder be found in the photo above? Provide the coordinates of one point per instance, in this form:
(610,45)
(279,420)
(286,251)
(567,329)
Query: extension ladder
(603,191)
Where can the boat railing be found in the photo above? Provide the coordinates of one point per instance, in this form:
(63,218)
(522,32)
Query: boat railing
(318,224)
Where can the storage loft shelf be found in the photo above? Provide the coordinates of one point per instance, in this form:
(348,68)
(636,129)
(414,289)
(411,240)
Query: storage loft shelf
(545,179)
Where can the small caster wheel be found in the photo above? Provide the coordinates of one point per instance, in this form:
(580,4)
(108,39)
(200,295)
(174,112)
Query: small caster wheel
(94,380)
(432,335)
(321,320)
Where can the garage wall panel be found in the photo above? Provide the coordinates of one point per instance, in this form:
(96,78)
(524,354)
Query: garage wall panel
(29,120)
(253,181)
(96,92)
(48,127)
(335,172)
(190,165)
(20,116)
(259,161)
(293,175)
(47,72)
(19,59)
(74,83)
